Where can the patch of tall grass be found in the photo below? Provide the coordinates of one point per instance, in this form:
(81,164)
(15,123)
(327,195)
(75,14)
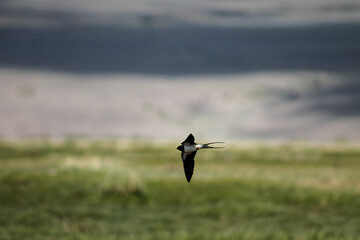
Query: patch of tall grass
(133,190)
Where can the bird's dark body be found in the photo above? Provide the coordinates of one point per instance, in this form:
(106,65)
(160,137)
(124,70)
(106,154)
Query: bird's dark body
(188,156)
(188,150)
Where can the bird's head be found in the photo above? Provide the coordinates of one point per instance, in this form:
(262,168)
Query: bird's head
(180,148)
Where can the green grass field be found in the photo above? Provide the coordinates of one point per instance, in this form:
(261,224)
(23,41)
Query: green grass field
(133,190)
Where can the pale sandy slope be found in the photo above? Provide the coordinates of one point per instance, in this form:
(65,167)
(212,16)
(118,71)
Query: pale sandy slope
(264,105)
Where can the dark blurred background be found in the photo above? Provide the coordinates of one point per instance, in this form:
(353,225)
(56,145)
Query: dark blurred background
(267,70)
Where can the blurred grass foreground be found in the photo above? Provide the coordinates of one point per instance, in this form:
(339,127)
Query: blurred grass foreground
(134,190)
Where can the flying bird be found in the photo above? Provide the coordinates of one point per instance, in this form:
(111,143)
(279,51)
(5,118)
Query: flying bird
(188,150)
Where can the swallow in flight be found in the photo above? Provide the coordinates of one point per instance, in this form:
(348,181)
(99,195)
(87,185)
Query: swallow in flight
(188,150)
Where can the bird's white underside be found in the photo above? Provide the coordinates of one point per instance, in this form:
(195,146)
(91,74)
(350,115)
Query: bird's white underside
(192,148)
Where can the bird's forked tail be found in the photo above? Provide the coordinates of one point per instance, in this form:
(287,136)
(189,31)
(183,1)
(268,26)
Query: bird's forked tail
(206,145)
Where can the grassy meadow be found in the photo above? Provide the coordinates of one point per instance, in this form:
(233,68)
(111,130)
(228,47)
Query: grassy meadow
(108,189)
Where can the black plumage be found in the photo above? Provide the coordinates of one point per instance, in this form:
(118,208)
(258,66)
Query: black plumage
(189,140)
(189,164)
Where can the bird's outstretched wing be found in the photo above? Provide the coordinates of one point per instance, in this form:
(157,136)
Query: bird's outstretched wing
(189,140)
(189,163)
